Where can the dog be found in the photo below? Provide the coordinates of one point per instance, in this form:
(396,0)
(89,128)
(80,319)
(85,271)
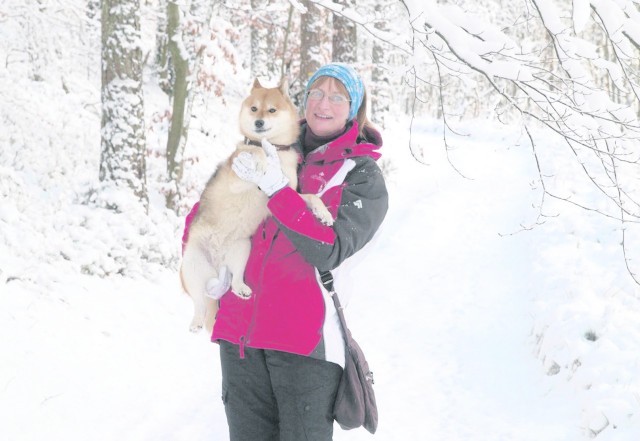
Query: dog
(231,209)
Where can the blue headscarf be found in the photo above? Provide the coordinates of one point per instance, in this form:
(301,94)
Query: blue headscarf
(348,77)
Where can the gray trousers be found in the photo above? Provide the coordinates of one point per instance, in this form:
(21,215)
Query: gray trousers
(277,396)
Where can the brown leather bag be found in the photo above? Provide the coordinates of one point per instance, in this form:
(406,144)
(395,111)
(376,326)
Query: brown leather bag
(355,404)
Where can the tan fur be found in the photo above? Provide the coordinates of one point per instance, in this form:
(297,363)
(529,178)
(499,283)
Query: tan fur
(231,209)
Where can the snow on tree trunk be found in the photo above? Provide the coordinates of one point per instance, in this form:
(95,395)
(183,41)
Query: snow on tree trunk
(178,129)
(185,43)
(260,53)
(345,38)
(122,161)
(162,60)
(380,85)
(313,35)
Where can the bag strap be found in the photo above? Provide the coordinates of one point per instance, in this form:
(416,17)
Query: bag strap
(327,281)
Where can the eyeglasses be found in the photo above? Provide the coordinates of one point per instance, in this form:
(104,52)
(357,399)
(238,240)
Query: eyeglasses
(317,95)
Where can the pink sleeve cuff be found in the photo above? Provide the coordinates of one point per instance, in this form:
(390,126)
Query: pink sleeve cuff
(290,209)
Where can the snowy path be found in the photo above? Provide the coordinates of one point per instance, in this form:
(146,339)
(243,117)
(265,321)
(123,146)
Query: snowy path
(451,347)
(440,305)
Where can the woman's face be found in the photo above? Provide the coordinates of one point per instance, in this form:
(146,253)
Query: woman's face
(324,117)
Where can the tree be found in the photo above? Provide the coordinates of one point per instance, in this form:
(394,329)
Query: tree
(179,127)
(122,160)
(562,98)
(380,82)
(313,36)
(271,24)
(345,38)
(550,82)
(259,40)
(185,49)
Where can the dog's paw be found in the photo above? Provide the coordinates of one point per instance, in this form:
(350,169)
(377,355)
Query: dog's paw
(195,326)
(242,290)
(323,215)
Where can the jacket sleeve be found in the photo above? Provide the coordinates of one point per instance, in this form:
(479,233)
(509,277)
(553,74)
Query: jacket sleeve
(363,206)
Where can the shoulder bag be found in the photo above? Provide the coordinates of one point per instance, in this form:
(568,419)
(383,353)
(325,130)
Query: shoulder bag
(355,404)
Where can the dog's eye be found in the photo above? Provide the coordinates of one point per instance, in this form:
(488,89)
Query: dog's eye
(272,110)
(254,109)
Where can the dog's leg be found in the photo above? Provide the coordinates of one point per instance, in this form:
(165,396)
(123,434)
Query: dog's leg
(236,259)
(318,208)
(196,270)
(211,306)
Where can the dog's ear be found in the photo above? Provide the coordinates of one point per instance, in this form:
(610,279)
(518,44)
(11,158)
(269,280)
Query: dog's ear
(256,84)
(284,86)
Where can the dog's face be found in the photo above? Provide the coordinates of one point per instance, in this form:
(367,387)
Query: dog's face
(269,113)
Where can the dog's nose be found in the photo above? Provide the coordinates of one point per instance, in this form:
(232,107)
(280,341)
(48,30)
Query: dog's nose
(259,123)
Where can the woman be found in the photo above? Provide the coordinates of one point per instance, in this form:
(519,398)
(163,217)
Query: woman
(282,350)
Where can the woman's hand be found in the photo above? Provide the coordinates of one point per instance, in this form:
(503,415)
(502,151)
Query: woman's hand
(269,178)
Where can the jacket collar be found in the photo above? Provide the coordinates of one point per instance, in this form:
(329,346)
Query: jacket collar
(347,145)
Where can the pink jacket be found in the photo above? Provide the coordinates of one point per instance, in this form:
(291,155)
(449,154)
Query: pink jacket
(288,309)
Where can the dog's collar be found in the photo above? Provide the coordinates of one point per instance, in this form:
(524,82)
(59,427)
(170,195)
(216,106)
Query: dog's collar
(279,147)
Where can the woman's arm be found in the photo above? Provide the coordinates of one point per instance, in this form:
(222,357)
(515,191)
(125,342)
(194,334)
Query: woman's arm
(363,206)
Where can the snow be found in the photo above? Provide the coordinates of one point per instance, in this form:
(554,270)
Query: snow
(460,319)
(483,315)
(581,11)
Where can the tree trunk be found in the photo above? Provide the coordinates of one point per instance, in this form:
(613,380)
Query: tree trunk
(286,60)
(122,161)
(178,130)
(260,55)
(380,83)
(345,41)
(313,33)
(162,50)
(185,57)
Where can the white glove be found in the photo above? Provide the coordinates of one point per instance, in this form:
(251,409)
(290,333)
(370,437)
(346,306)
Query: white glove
(271,179)
(218,286)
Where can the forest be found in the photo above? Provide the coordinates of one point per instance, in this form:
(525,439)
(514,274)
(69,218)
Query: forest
(565,69)
(113,114)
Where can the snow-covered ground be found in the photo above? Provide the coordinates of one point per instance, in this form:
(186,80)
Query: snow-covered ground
(477,326)
(473,333)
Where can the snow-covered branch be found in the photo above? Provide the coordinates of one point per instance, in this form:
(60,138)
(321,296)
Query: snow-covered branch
(556,82)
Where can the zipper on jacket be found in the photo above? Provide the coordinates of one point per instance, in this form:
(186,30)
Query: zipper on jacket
(245,338)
